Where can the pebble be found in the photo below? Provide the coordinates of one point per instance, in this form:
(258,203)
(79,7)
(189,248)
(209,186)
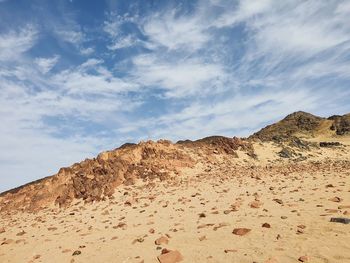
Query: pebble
(241,231)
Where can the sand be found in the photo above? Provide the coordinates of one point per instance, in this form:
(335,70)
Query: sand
(197,212)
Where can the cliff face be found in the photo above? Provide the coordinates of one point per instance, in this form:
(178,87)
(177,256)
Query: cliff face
(341,124)
(96,179)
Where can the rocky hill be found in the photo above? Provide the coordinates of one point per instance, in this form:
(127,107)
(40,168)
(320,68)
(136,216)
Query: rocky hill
(96,179)
(303,124)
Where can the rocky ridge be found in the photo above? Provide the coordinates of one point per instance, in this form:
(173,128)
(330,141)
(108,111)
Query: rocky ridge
(96,179)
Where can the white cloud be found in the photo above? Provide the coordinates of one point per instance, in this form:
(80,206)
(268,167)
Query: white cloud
(14,43)
(174,32)
(123,42)
(178,79)
(87,51)
(91,78)
(46,64)
(72,36)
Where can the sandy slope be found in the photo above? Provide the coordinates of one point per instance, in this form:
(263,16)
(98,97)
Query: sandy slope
(197,213)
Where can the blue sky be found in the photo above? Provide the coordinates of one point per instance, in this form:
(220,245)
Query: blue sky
(79,76)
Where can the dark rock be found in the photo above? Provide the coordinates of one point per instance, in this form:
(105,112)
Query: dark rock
(286,153)
(340,220)
(76,253)
(266,225)
(330,144)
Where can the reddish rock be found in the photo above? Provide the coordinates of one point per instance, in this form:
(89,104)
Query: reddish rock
(304,259)
(171,256)
(335,199)
(2,230)
(7,241)
(161,240)
(266,225)
(241,231)
(256,204)
(202,238)
(21,233)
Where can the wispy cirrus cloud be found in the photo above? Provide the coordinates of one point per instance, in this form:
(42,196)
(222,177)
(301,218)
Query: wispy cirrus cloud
(14,43)
(46,64)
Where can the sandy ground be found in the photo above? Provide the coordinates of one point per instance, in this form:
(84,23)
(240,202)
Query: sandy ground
(197,214)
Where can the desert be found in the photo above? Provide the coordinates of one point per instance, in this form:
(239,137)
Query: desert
(280,195)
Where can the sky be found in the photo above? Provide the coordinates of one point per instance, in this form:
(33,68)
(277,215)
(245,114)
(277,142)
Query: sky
(78,77)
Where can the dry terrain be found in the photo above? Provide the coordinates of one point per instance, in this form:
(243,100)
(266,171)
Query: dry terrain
(266,199)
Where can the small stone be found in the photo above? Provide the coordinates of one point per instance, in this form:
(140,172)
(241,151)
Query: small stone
(170,256)
(202,215)
(7,241)
(139,240)
(21,233)
(230,250)
(335,199)
(340,220)
(339,207)
(256,204)
(303,259)
(284,217)
(161,240)
(266,225)
(202,238)
(2,230)
(151,231)
(279,201)
(241,231)
(76,253)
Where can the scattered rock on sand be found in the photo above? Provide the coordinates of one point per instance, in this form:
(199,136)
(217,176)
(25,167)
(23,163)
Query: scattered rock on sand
(304,259)
(170,256)
(340,220)
(21,233)
(161,240)
(7,241)
(202,238)
(256,204)
(335,199)
(76,253)
(266,225)
(230,250)
(279,201)
(2,230)
(241,231)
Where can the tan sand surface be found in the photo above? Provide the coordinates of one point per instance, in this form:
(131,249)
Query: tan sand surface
(196,214)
